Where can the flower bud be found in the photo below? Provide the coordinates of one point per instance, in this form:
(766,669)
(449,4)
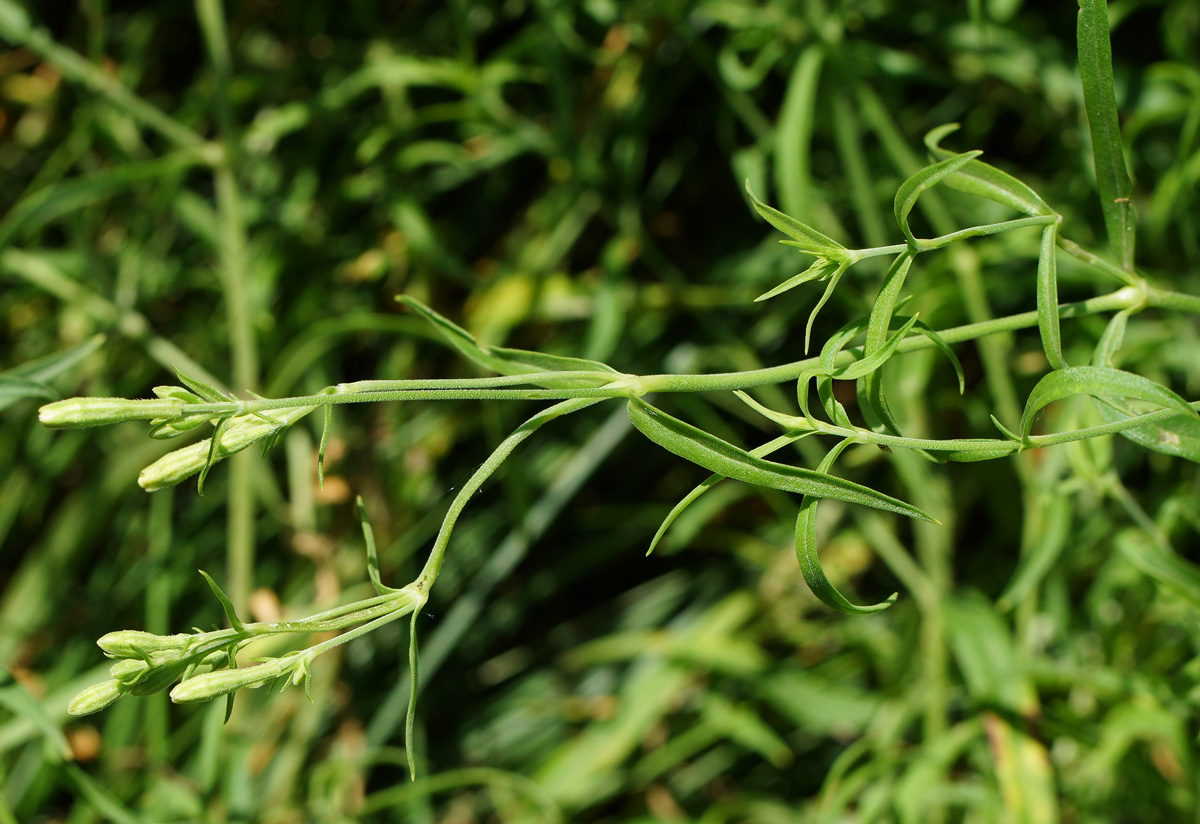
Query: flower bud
(128,670)
(130,643)
(95,698)
(243,430)
(222,682)
(80,413)
(178,393)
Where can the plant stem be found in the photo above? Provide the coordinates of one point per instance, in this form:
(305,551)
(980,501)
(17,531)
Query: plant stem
(234,276)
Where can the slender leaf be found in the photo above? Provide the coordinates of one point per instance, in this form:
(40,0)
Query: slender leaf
(873,404)
(1047,298)
(804,236)
(50,366)
(205,391)
(1098,381)
(214,445)
(326,428)
(226,605)
(509,361)
(716,455)
(911,189)
(1100,101)
(810,562)
(372,554)
(712,480)
(834,280)
(410,718)
(1110,342)
(815,272)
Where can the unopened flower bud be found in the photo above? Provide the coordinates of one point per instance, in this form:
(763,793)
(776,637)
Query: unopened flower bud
(128,670)
(222,682)
(95,698)
(80,413)
(130,643)
(243,431)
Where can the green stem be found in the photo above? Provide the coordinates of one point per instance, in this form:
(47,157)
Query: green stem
(234,277)
(624,386)
(434,564)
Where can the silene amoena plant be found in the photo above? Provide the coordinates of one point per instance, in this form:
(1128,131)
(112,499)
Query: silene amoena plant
(200,666)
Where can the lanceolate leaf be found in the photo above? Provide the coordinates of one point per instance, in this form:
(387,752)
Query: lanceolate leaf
(724,458)
(226,604)
(984,180)
(818,270)
(510,361)
(1100,382)
(713,480)
(911,189)
(1178,435)
(810,562)
(873,403)
(208,393)
(806,237)
(1112,178)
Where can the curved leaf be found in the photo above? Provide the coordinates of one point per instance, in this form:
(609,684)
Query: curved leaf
(810,562)
(712,480)
(722,457)
(1099,381)
(1047,298)
(911,189)
(984,180)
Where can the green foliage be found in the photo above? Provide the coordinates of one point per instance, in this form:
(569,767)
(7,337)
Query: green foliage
(286,206)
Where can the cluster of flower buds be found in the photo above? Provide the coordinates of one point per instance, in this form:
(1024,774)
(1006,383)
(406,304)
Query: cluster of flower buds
(148,663)
(176,411)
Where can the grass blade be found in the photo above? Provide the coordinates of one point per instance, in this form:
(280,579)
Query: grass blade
(1100,101)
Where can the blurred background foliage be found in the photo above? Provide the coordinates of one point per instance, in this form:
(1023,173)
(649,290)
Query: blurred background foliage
(569,177)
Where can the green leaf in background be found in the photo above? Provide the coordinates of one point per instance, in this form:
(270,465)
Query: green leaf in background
(911,189)
(1098,381)
(29,380)
(1175,573)
(15,389)
(722,457)
(1100,101)
(810,562)
(984,180)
